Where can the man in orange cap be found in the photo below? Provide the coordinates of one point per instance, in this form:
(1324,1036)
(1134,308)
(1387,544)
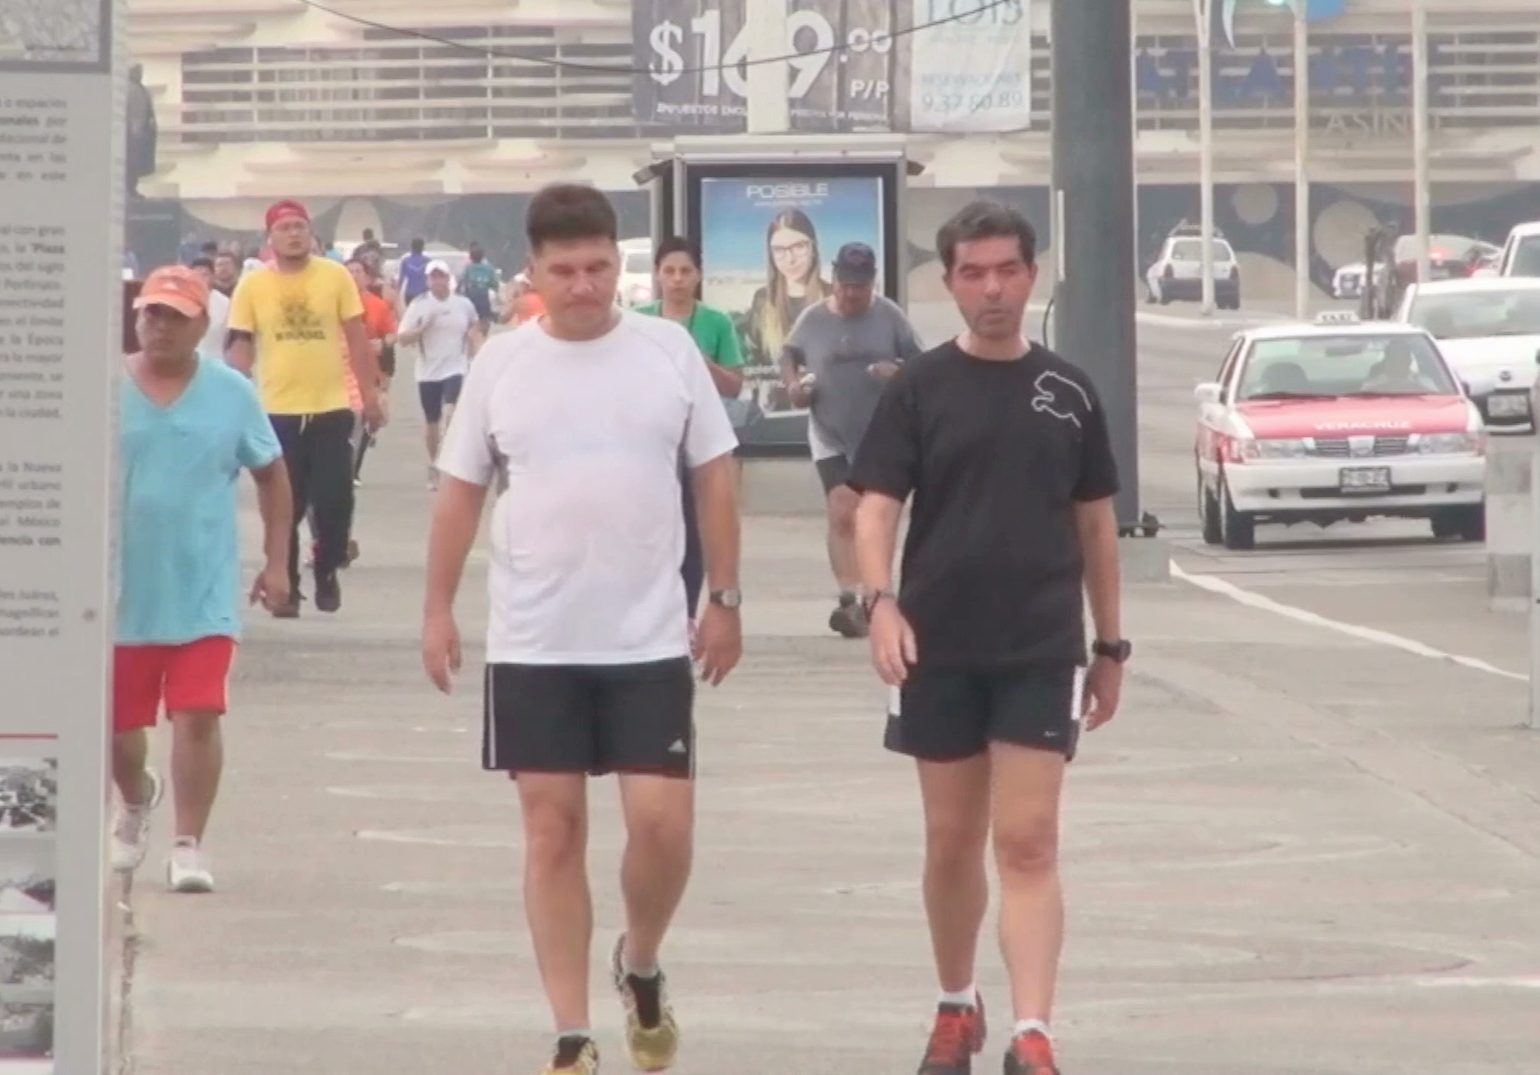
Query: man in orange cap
(187,428)
(297,322)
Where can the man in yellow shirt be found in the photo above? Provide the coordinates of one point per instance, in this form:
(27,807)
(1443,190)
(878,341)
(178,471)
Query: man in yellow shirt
(297,322)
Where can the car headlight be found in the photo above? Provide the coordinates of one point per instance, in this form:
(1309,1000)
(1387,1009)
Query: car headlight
(1275,448)
(1449,443)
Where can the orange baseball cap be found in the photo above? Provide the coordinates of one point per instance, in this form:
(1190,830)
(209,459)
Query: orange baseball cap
(178,287)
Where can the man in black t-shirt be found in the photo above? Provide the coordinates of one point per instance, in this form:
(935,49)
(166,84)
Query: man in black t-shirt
(1003,446)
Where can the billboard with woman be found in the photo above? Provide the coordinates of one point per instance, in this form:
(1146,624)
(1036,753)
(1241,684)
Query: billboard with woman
(766,243)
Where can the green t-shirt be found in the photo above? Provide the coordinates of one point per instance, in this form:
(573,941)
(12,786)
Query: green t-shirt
(713,331)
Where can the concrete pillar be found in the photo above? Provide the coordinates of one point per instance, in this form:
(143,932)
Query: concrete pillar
(1510,531)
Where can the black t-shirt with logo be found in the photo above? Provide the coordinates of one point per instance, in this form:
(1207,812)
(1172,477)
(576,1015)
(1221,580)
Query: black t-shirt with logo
(996,455)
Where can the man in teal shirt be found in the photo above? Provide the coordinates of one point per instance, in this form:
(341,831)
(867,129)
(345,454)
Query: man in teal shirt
(676,264)
(187,428)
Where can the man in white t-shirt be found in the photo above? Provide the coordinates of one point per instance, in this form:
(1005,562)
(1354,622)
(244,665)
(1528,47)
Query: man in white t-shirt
(440,323)
(580,417)
(212,346)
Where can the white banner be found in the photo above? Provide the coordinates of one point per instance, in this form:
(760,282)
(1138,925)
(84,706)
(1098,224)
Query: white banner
(61,218)
(974,73)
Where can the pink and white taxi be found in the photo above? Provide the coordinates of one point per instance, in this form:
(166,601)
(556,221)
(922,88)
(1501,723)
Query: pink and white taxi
(1333,421)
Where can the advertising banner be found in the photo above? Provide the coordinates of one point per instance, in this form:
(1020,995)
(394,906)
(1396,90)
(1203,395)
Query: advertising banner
(62,186)
(857,65)
(767,244)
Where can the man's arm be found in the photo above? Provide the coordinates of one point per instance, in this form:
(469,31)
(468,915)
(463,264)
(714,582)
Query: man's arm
(240,351)
(1097,525)
(275,504)
(366,365)
(728,382)
(877,540)
(456,518)
(716,504)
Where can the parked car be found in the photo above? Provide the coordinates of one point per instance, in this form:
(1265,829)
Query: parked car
(636,277)
(1333,421)
(1177,273)
(1350,280)
(1450,257)
(1521,253)
(1489,332)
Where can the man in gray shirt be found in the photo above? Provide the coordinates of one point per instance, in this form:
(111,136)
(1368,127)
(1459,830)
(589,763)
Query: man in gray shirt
(840,354)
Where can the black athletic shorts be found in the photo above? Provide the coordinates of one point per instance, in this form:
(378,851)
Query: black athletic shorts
(597,719)
(946,714)
(833,471)
(436,395)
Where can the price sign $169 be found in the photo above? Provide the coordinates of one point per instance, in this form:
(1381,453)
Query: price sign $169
(726,64)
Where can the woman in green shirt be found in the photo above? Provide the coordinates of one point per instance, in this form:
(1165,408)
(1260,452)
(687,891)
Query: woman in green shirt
(676,265)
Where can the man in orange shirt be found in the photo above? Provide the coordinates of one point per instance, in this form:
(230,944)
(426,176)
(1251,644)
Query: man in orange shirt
(381,327)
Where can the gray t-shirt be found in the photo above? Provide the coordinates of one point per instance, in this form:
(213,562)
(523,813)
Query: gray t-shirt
(838,350)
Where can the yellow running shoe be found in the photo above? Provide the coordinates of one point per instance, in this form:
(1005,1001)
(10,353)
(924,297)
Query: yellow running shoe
(574,1056)
(652,1035)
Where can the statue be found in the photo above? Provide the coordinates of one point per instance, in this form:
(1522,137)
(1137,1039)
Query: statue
(139,147)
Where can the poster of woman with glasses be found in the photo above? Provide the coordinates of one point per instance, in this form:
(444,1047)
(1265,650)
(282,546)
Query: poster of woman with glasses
(766,244)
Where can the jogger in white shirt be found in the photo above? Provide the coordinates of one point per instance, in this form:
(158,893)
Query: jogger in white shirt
(440,322)
(580,418)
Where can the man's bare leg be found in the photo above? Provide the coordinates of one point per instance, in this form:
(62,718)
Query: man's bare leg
(197,762)
(1024,797)
(130,762)
(956,801)
(556,897)
(660,835)
(842,503)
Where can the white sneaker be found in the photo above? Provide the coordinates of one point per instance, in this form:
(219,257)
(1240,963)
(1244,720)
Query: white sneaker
(131,827)
(187,870)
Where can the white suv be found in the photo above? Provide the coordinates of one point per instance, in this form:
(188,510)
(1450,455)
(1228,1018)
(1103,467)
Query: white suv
(1178,272)
(1521,253)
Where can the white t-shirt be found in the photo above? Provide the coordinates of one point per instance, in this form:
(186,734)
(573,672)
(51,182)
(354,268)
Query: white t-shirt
(587,531)
(213,343)
(442,352)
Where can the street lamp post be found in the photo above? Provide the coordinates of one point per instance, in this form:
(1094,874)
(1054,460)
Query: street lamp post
(1422,193)
(1301,161)
(1201,12)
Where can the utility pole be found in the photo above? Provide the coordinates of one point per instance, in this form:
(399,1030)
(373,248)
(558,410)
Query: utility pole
(1093,180)
(1422,194)
(1201,11)
(769,106)
(1301,161)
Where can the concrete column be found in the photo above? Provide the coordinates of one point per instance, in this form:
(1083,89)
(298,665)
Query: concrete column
(768,105)
(1510,531)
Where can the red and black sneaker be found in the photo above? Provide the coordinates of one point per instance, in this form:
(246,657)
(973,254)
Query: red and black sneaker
(958,1034)
(1030,1054)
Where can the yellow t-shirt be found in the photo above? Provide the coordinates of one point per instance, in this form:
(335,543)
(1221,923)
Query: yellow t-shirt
(296,319)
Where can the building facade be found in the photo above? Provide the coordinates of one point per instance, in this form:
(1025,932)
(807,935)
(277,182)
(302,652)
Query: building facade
(385,119)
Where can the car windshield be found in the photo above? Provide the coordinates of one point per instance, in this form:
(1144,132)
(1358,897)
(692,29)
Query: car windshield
(1526,257)
(1359,364)
(1474,314)
(1192,250)
(638,261)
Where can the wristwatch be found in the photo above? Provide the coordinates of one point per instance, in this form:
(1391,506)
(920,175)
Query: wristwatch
(1118,650)
(730,599)
(872,598)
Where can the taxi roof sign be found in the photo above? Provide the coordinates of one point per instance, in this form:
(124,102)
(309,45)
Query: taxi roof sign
(1337,317)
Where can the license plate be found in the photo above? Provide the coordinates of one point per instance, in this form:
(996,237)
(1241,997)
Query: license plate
(1508,405)
(1365,479)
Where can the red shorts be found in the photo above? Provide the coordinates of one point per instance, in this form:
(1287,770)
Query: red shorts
(191,678)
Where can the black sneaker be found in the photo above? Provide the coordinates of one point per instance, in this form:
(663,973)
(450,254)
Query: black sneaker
(328,592)
(958,1034)
(849,619)
(574,1056)
(652,1034)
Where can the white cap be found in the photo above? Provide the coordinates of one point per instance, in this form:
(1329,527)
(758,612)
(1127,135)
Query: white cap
(437,265)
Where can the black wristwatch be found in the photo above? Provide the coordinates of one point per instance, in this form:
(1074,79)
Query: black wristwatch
(730,599)
(1118,650)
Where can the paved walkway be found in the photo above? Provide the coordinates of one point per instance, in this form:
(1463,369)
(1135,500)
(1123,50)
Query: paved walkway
(1281,858)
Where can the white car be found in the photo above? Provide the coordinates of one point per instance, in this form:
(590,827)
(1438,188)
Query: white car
(1488,329)
(636,277)
(1177,273)
(1336,421)
(1521,253)
(1350,280)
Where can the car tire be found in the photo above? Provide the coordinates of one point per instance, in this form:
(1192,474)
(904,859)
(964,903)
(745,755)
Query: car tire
(1208,514)
(1467,523)
(1163,298)
(1237,530)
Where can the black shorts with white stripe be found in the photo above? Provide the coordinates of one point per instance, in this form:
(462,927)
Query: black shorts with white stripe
(947,714)
(595,719)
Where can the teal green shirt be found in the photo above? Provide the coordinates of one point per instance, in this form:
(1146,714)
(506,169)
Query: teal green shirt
(713,331)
